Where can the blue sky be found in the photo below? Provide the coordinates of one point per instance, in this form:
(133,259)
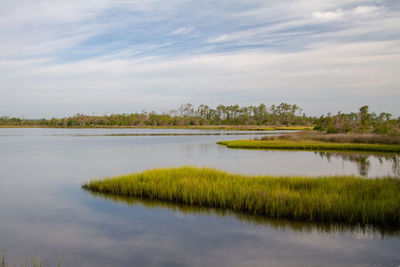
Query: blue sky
(58,58)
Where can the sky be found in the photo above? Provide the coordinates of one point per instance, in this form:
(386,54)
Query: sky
(59,58)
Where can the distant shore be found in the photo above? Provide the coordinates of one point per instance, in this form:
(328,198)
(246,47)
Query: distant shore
(194,127)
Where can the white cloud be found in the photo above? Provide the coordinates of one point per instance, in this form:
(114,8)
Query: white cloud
(328,15)
(362,10)
(219,39)
(182,31)
(340,13)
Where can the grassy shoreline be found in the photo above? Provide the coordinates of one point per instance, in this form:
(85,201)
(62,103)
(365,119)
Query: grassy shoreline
(308,145)
(197,127)
(342,199)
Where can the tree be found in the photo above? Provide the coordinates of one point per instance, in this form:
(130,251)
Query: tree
(364,119)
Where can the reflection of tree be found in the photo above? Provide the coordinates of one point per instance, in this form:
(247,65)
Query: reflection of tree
(396,165)
(363,162)
(395,159)
(363,165)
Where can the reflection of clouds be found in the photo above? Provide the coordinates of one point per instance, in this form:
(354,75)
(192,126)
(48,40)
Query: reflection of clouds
(91,238)
(89,246)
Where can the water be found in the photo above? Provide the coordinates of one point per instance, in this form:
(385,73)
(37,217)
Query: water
(43,210)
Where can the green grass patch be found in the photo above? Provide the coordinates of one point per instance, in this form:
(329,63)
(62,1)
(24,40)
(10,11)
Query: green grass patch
(36,261)
(308,145)
(352,200)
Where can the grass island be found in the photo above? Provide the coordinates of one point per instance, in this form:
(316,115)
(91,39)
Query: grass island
(342,199)
(309,145)
(314,140)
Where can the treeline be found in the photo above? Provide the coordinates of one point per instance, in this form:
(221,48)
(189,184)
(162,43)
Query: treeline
(283,114)
(186,115)
(360,122)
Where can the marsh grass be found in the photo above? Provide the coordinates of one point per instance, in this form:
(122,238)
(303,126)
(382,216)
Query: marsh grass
(36,261)
(351,200)
(308,145)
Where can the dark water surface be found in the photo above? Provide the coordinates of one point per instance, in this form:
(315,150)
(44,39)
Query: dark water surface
(43,210)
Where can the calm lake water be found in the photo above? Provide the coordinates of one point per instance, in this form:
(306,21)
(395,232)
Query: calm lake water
(43,210)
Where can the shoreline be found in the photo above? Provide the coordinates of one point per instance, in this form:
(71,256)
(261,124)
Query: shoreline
(197,127)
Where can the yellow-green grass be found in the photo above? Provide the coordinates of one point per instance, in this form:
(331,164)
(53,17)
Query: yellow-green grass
(36,261)
(308,145)
(346,199)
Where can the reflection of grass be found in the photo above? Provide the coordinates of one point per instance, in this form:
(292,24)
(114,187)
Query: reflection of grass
(279,224)
(308,145)
(332,199)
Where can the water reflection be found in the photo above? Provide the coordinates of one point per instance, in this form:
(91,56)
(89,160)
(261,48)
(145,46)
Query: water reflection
(363,160)
(277,224)
(43,210)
